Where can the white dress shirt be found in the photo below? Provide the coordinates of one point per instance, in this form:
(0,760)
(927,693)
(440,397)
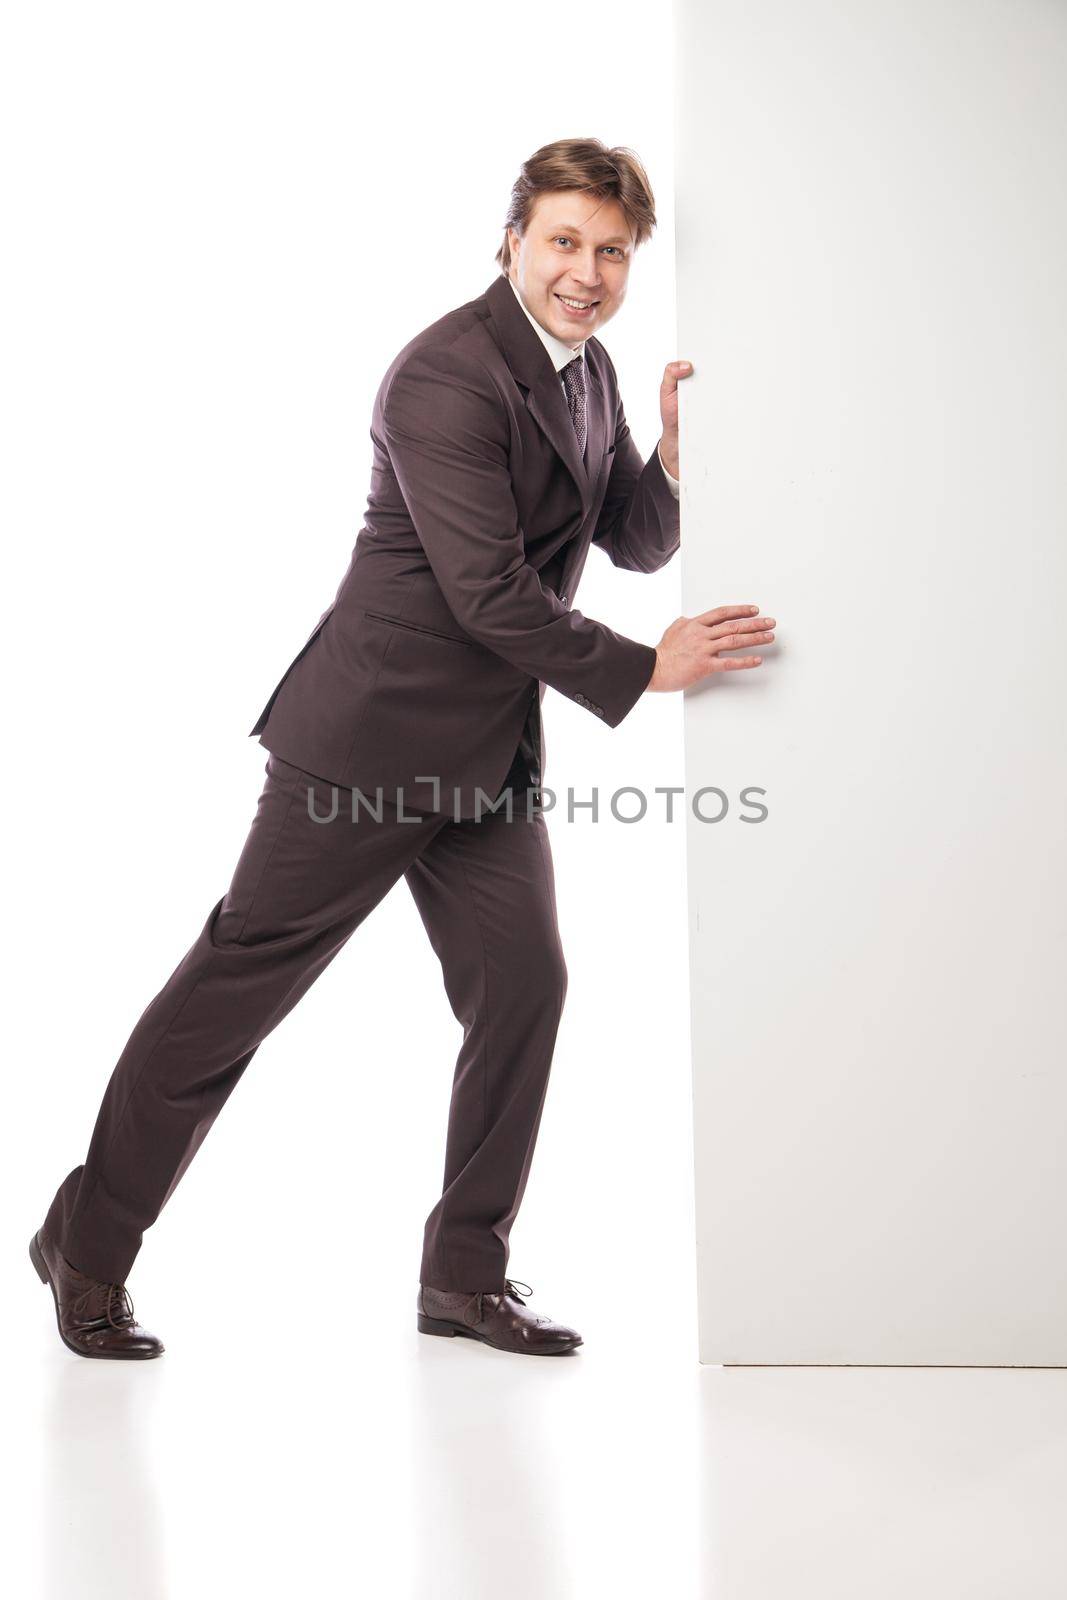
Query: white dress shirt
(562,354)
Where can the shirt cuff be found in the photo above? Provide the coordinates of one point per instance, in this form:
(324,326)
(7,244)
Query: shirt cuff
(672,483)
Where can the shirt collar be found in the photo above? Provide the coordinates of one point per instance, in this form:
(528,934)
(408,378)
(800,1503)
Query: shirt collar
(559,352)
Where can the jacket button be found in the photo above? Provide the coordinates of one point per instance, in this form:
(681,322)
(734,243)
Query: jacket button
(563,599)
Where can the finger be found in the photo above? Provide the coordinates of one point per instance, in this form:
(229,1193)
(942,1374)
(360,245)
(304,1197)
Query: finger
(723,613)
(738,625)
(727,636)
(673,371)
(730,663)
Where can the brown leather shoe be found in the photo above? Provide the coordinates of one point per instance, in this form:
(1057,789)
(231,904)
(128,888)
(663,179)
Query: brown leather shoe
(501,1320)
(94,1318)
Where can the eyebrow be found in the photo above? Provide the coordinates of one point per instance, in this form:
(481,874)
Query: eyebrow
(616,238)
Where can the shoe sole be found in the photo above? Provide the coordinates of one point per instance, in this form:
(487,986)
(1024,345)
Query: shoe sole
(40,1266)
(452,1330)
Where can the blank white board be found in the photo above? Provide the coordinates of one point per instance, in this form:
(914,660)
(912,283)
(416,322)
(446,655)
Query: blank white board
(872,260)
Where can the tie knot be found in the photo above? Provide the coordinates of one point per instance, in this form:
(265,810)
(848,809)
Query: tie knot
(574,373)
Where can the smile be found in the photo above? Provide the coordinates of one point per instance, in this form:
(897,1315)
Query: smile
(577,308)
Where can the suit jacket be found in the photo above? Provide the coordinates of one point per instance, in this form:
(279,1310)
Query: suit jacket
(456,608)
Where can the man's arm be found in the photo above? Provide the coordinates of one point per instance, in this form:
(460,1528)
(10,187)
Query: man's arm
(639,522)
(675,485)
(447,437)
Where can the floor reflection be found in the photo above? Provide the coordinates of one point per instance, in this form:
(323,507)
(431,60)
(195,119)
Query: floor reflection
(102,1520)
(491,1512)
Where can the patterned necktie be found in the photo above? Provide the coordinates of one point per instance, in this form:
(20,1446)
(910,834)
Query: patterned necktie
(573,375)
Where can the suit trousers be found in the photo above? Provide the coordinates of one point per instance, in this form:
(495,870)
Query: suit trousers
(485,891)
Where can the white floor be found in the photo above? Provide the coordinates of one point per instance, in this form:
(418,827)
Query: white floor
(300,1437)
(306,1454)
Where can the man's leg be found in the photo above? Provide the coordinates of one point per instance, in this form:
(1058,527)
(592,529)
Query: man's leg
(486,893)
(299,890)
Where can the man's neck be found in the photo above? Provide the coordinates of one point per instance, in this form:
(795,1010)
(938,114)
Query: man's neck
(559,351)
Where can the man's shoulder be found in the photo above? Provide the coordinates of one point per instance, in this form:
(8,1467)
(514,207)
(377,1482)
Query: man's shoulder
(462,337)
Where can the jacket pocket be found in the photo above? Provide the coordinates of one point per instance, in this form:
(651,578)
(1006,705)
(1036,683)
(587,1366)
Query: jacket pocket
(416,627)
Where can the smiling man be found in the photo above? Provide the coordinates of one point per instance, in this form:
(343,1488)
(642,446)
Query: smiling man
(569,286)
(501,453)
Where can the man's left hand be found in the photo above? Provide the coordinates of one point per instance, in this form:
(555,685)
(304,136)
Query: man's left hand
(668,410)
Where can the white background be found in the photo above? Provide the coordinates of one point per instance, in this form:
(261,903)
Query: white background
(872,239)
(223,221)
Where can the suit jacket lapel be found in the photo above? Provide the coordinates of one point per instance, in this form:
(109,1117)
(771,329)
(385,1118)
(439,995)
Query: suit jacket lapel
(546,402)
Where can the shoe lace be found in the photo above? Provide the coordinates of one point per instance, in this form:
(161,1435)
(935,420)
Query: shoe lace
(511,1287)
(106,1294)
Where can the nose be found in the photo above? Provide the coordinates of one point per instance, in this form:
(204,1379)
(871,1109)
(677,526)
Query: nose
(586,271)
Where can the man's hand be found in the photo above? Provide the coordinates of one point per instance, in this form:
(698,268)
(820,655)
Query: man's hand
(668,410)
(692,647)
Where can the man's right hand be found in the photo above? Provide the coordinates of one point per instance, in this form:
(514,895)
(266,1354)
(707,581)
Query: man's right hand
(692,647)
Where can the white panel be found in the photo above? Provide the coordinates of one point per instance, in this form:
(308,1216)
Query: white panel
(872,258)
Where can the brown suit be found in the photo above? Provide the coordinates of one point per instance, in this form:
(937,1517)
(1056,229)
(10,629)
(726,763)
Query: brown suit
(455,610)
(431,663)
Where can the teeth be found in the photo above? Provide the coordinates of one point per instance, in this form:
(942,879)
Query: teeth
(579,305)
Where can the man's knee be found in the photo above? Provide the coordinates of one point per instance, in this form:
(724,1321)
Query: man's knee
(544,975)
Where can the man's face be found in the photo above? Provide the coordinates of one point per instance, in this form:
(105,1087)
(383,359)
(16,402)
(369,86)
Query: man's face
(575,248)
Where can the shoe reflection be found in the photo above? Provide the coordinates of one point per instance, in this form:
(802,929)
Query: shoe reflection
(491,1508)
(102,1522)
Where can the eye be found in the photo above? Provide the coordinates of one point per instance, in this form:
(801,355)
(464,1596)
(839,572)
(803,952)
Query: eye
(562,236)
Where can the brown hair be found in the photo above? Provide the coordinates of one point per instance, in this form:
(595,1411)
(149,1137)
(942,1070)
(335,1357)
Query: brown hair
(588,165)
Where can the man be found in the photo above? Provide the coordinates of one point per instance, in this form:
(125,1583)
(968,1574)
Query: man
(501,451)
